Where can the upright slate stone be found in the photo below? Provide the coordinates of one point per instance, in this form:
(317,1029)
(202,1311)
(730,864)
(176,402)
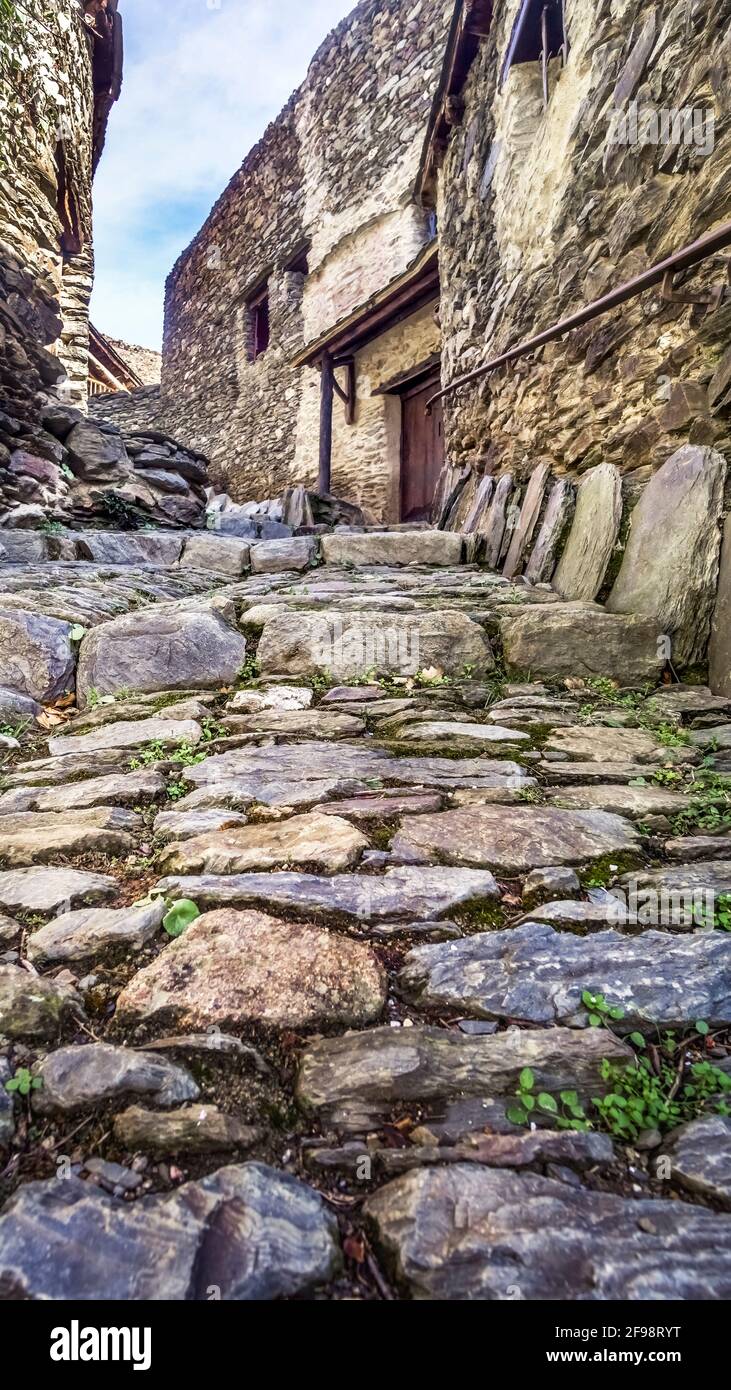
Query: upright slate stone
(559,514)
(593,536)
(483,497)
(529,513)
(670,568)
(494,528)
(719,652)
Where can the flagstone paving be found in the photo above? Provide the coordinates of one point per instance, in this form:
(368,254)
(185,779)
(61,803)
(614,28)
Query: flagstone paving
(285,929)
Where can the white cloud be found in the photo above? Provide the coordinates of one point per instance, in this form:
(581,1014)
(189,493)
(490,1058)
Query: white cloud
(202,80)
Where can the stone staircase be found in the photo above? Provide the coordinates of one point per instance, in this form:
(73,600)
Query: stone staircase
(314,853)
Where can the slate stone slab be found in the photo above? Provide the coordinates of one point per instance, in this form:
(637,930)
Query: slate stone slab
(527,521)
(36,837)
(78,1078)
(492,528)
(310,723)
(283,777)
(164,648)
(593,534)
(235,968)
(7,1110)
(581,639)
(328,844)
(156,548)
(675,582)
(184,825)
(622,801)
(48,889)
(607,745)
(67,1240)
(514,839)
(32,1007)
(393,548)
(117,789)
(401,894)
(457,731)
(700,1157)
(467,1233)
(549,542)
(347,645)
(36,656)
(94,932)
(224,554)
(282,556)
(354,1080)
(538,975)
(199,1129)
(719,649)
(128,734)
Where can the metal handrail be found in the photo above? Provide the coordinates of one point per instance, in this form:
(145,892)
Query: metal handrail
(689,256)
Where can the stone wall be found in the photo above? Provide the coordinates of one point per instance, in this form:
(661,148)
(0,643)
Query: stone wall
(46,171)
(129,410)
(146,362)
(334,176)
(543,211)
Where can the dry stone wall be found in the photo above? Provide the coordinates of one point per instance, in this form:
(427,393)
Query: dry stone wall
(45,176)
(542,212)
(332,177)
(129,410)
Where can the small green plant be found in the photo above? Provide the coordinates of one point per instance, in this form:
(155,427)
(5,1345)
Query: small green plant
(180,916)
(15,730)
(51,527)
(720,918)
(663,776)
(670,736)
(566,1112)
(23,1082)
(94,699)
(176,790)
(212,729)
(156,752)
(601,1014)
(709,804)
(534,796)
(656,1091)
(249,673)
(642,1097)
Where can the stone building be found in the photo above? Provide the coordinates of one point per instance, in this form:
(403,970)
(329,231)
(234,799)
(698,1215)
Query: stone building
(109,372)
(554,186)
(53,122)
(315,276)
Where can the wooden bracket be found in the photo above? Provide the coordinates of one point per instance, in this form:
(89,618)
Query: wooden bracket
(347,396)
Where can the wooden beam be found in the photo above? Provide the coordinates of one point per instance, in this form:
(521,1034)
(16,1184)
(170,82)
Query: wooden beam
(327,391)
(347,396)
(403,296)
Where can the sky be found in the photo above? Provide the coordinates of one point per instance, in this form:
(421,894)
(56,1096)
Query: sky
(202,80)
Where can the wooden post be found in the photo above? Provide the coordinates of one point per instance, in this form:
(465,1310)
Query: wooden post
(327,390)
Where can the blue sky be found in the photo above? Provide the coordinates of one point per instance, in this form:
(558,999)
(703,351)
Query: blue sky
(202,80)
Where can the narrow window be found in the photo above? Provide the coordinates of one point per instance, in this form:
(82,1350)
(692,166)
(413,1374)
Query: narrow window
(539,34)
(259,324)
(299,264)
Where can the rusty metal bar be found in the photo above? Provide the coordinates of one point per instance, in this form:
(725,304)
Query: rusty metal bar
(688,257)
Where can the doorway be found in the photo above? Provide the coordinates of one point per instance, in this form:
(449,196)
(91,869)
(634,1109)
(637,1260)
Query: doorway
(422,450)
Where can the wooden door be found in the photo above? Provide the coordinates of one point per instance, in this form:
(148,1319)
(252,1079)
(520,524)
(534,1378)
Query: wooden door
(422,451)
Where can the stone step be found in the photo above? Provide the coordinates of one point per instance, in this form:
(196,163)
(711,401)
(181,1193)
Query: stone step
(463,1233)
